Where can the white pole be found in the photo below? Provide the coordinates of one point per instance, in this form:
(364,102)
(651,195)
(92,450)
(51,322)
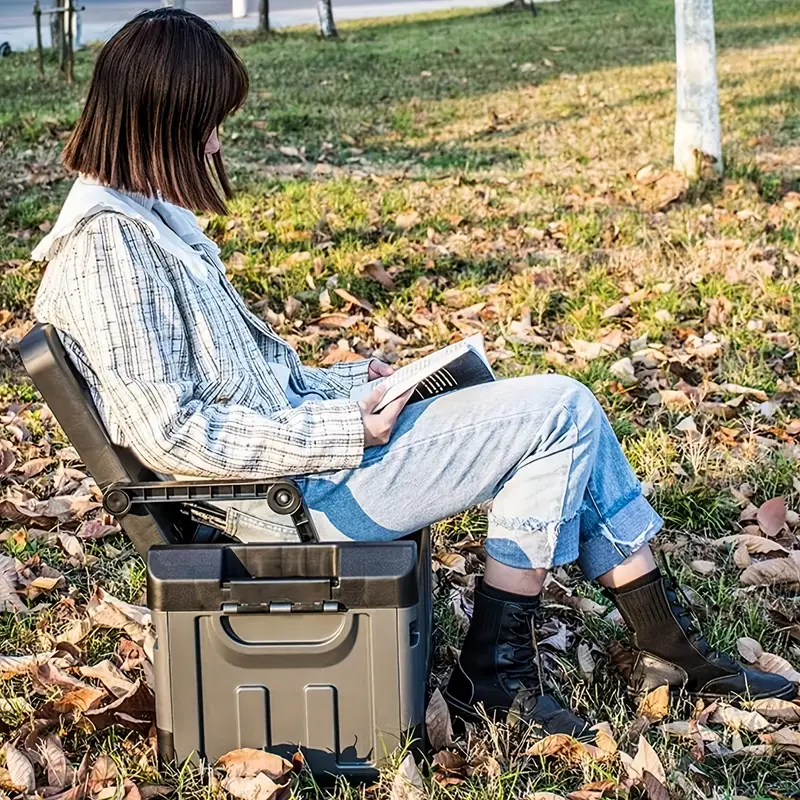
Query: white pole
(239,9)
(697,128)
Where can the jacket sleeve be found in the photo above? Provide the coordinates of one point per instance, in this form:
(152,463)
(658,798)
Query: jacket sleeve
(337,380)
(124,315)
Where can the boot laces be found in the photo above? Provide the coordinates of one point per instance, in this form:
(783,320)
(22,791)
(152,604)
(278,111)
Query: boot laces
(679,605)
(525,663)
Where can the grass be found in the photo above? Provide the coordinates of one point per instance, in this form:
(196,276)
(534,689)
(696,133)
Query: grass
(491,157)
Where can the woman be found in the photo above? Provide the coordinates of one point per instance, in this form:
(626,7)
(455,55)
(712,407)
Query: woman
(184,374)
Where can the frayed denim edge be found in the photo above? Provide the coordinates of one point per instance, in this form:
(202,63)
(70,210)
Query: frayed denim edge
(531,524)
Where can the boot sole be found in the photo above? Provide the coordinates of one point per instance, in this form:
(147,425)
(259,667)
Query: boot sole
(790,693)
(459,710)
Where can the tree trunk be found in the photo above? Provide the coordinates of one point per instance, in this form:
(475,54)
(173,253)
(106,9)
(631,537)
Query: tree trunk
(697,129)
(263,15)
(327,27)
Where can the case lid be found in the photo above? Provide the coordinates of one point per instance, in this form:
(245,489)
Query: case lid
(292,577)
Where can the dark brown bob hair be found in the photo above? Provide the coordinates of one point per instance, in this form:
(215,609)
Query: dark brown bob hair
(160,87)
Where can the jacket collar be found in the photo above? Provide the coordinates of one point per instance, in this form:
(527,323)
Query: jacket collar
(173,228)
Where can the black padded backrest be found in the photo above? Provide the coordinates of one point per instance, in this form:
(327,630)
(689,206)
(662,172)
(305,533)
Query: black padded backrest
(68,397)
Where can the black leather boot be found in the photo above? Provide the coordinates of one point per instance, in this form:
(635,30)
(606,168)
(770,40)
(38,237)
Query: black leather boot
(499,668)
(670,648)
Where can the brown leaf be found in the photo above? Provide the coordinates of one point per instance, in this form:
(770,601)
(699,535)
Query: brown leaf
(9,599)
(104,773)
(749,649)
(450,768)
(557,744)
(759,545)
(703,568)
(34,466)
(247,762)
(769,662)
(655,789)
(110,677)
(80,700)
(351,298)
(738,719)
(59,771)
(73,548)
(645,760)
(16,665)
(437,722)
(453,561)
(147,791)
(772,516)
(407,219)
(95,529)
(135,710)
(20,770)
(407,783)
(767,573)
(741,556)
(585,661)
(655,704)
(774,709)
(786,739)
(595,791)
(376,271)
(259,787)
(48,674)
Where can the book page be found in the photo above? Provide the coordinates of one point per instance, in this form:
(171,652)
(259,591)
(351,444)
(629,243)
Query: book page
(409,376)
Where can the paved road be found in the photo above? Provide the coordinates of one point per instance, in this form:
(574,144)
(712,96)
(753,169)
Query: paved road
(103,17)
(18,13)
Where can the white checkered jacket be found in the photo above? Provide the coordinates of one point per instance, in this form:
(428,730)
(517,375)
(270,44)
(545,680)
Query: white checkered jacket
(178,366)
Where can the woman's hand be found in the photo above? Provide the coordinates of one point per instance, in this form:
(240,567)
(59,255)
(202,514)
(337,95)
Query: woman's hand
(378,426)
(377,369)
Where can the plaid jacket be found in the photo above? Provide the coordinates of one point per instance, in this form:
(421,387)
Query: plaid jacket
(177,365)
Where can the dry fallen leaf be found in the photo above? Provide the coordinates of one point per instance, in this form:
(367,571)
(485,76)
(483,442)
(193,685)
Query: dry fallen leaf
(20,770)
(110,677)
(785,739)
(655,704)
(16,665)
(759,545)
(703,568)
(585,661)
(655,789)
(59,771)
(438,723)
(377,272)
(407,219)
(772,516)
(645,760)
(769,662)
(407,783)
(738,719)
(749,649)
(80,700)
(774,709)
(773,571)
(247,761)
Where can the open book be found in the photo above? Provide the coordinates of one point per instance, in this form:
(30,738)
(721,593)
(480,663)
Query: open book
(454,367)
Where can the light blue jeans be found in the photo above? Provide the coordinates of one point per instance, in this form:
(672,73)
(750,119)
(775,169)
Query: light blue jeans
(540,448)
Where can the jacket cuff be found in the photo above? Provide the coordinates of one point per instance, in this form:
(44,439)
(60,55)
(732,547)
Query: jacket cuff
(354,372)
(338,434)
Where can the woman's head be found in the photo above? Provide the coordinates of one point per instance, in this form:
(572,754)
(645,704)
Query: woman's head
(161,88)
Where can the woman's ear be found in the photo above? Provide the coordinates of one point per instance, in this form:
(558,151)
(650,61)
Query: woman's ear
(212,143)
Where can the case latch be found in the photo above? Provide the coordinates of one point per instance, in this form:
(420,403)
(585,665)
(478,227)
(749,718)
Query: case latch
(279,607)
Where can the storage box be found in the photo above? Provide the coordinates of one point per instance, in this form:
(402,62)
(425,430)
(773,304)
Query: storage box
(323,647)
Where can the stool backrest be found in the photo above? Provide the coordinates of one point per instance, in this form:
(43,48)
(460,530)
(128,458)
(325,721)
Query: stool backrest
(68,397)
